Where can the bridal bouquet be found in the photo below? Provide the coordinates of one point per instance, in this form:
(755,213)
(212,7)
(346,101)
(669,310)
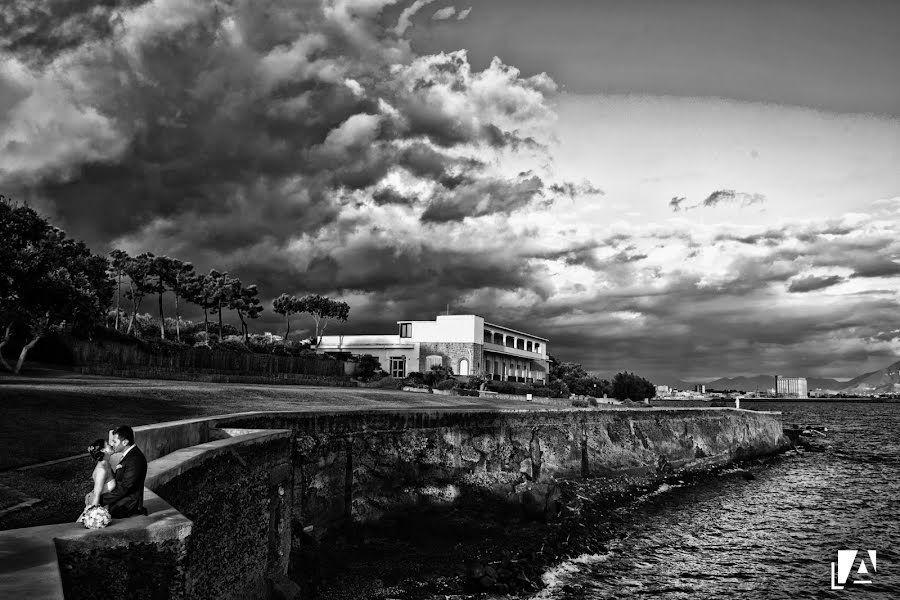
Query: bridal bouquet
(95,517)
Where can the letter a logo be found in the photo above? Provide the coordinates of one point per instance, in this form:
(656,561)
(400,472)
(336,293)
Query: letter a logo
(845,564)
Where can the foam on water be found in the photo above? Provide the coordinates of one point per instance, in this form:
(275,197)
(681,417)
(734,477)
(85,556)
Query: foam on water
(774,536)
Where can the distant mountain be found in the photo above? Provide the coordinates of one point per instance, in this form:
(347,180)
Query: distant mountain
(886,380)
(767,382)
(672,382)
(824,383)
(744,384)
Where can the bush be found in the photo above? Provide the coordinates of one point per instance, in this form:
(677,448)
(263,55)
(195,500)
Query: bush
(467,392)
(518,389)
(436,375)
(414,378)
(474,383)
(632,387)
(558,389)
(580,403)
(233,343)
(448,384)
(386,383)
(368,367)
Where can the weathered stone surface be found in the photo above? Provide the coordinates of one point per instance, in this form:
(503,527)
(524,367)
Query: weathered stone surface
(359,468)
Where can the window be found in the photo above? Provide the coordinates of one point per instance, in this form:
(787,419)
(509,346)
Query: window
(498,339)
(488,337)
(520,344)
(405,330)
(528,346)
(398,366)
(510,341)
(537,348)
(463,367)
(433,360)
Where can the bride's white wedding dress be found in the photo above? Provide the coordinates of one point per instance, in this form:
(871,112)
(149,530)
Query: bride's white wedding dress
(104,481)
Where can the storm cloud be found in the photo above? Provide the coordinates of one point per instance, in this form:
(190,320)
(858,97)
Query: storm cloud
(307,147)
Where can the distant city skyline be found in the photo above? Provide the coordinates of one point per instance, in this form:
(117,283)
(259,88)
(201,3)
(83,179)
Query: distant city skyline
(698,189)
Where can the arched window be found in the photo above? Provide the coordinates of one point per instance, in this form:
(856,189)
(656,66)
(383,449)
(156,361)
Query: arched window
(463,367)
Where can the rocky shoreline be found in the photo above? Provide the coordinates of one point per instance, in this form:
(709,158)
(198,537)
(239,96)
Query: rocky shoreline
(482,548)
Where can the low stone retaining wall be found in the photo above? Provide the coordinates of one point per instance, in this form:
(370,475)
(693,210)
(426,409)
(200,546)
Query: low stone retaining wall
(228,493)
(360,466)
(228,538)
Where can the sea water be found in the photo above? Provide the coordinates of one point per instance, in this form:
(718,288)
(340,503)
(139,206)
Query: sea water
(774,536)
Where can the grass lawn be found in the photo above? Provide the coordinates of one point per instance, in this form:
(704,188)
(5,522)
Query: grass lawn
(57,414)
(45,418)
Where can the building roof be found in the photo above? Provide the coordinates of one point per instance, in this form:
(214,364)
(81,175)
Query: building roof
(511,330)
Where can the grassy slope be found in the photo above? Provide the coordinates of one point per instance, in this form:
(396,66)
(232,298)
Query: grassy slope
(59,414)
(48,418)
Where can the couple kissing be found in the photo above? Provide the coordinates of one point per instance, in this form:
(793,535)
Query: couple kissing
(118,489)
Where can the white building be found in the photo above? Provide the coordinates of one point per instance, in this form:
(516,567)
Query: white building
(790,387)
(465,343)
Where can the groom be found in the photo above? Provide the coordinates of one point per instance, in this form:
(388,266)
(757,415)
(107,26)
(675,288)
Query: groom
(128,496)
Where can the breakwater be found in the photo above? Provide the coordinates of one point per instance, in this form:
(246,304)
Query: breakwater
(248,486)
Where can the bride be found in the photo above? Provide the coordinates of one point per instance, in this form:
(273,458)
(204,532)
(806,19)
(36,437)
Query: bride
(102,476)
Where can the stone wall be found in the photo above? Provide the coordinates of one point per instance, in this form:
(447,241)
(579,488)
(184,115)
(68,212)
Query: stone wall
(239,501)
(452,353)
(359,467)
(228,509)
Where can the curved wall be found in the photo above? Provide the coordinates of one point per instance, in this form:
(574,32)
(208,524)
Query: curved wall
(226,493)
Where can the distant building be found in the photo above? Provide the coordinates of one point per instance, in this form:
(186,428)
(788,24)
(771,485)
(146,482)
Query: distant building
(663,390)
(790,387)
(700,388)
(465,343)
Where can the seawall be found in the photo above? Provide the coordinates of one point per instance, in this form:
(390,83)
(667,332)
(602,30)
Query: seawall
(243,487)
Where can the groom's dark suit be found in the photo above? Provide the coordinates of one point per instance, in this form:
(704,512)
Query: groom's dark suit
(128,497)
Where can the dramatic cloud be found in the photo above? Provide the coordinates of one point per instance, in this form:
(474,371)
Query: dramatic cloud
(405,20)
(733,196)
(307,147)
(463,14)
(716,198)
(812,283)
(442,14)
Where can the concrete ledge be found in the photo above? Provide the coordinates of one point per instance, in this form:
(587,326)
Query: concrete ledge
(28,564)
(163,470)
(162,523)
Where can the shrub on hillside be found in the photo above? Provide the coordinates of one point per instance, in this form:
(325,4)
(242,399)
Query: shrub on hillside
(474,383)
(232,343)
(368,368)
(519,389)
(448,384)
(386,383)
(414,377)
(436,374)
(558,389)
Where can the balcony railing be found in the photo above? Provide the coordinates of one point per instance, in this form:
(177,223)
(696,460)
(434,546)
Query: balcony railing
(491,347)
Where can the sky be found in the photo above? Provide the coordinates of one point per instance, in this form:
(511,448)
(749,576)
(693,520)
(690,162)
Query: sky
(687,189)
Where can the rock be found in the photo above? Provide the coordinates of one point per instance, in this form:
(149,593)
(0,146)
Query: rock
(475,570)
(282,588)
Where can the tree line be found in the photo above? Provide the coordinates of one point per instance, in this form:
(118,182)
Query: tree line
(50,282)
(571,378)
